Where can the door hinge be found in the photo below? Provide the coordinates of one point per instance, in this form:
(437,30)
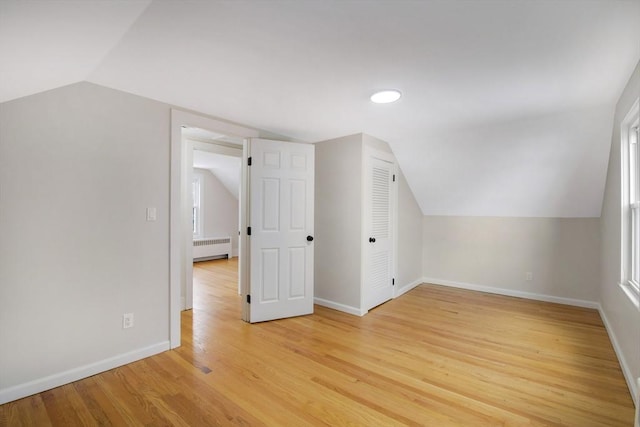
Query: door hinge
(249,161)
(248,231)
(248,299)
(394,178)
(393,282)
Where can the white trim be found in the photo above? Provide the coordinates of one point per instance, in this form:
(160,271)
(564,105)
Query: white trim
(56,380)
(626,370)
(340,307)
(625,215)
(244,257)
(632,293)
(406,288)
(198,176)
(216,147)
(512,293)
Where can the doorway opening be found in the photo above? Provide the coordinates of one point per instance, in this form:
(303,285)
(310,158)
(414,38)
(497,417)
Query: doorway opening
(280,192)
(181,209)
(214,199)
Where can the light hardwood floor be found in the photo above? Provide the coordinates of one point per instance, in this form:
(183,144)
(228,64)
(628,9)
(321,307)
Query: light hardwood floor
(434,357)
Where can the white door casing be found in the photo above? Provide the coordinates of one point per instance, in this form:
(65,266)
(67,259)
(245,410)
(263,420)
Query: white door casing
(379,227)
(281,194)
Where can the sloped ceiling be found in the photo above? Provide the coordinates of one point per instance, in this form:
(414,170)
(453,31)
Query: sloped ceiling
(225,168)
(507,106)
(48,44)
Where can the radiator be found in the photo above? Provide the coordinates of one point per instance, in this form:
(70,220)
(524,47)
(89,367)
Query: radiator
(209,248)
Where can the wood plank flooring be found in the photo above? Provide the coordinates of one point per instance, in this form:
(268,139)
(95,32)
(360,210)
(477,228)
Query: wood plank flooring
(433,357)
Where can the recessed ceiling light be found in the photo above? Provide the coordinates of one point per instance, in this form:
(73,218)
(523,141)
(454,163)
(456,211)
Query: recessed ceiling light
(386,96)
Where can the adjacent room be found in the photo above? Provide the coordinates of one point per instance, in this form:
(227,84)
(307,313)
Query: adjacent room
(400,212)
(213,208)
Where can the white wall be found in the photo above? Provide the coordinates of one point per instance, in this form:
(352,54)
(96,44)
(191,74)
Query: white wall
(375,143)
(409,237)
(78,167)
(338,223)
(496,252)
(338,216)
(219,209)
(623,318)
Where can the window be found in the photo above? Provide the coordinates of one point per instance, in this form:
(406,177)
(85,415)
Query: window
(631,204)
(196,212)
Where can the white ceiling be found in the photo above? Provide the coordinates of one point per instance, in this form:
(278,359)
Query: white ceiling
(507,105)
(48,44)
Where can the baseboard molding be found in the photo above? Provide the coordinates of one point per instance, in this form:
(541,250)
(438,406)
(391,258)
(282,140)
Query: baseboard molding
(626,370)
(513,293)
(340,307)
(42,384)
(406,288)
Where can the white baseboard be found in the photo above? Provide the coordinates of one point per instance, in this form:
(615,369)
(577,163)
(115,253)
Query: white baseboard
(340,307)
(356,311)
(406,288)
(626,371)
(513,293)
(42,384)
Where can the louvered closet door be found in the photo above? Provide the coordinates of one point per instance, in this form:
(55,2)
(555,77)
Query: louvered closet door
(379,226)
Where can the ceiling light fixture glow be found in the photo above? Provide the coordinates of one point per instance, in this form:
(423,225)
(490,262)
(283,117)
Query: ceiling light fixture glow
(386,96)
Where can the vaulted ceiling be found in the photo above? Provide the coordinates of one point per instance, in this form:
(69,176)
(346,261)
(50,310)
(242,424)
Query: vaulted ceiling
(507,106)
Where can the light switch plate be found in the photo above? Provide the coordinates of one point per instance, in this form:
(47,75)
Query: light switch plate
(151,214)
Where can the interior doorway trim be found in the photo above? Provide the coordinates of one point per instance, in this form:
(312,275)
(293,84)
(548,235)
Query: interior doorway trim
(177,230)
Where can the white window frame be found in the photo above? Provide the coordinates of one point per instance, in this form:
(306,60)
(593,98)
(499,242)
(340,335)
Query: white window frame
(196,202)
(630,191)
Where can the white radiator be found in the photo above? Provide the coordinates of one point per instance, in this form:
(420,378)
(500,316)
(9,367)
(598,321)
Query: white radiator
(209,248)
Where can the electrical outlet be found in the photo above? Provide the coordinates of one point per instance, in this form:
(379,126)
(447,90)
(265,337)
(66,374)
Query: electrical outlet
(528,276)
(127,320)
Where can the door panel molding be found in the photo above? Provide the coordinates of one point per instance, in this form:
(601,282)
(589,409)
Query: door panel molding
(280,214)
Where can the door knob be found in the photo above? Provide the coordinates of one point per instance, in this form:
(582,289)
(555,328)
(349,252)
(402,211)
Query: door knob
(309,238)
(372,239)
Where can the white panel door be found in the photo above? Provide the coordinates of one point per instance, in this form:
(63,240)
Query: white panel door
(379,229)
(281,221)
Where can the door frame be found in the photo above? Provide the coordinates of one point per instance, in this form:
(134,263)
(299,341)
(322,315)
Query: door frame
(178,221)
